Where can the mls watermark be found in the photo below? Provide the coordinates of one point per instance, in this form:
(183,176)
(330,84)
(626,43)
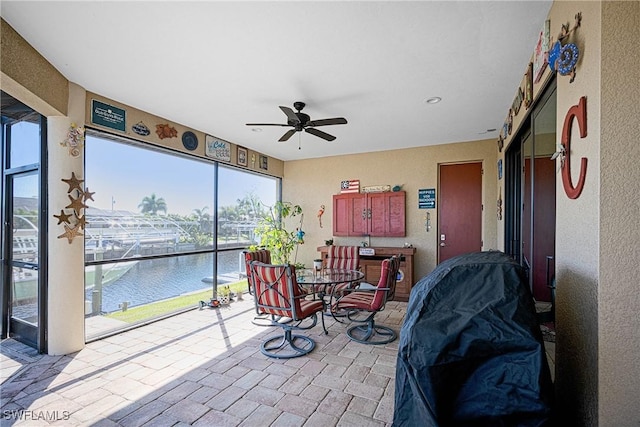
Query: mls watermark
(26,415)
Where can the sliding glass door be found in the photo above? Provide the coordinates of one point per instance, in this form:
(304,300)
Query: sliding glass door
(24,225)
(531,195)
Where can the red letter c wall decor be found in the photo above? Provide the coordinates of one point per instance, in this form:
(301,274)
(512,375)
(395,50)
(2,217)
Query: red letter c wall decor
(580,113)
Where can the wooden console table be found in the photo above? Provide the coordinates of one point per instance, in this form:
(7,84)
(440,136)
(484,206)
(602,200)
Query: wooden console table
(370,265)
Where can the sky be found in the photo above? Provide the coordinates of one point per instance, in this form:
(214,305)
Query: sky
(126,174)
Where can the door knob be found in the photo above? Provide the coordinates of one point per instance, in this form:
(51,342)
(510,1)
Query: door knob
(443,244)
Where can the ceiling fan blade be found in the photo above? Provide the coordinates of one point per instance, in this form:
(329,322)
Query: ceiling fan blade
(287,135)
(290,114)
(265,124)
(320,134)
(326,122)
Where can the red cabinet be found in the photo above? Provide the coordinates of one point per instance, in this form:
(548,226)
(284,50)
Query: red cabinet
(373,214)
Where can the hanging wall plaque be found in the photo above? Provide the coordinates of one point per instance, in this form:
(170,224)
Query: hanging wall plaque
(217,148)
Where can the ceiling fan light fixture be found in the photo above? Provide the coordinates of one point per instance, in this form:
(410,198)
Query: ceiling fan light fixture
(433,100)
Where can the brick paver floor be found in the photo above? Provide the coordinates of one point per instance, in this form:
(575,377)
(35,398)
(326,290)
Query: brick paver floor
(203,368)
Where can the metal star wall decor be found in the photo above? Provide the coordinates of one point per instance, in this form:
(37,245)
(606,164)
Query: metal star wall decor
(88,195)
(75,221)
(76,204)
(63,217)
(74,183)
(70,233)
(82,221)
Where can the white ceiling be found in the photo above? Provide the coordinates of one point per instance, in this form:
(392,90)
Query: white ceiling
(215,66)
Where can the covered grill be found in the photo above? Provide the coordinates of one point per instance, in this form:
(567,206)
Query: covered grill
(471,351)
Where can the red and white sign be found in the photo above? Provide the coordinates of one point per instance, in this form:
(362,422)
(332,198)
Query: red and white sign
(350,186)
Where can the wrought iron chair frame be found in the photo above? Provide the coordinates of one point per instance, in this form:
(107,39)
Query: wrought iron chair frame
(277,293)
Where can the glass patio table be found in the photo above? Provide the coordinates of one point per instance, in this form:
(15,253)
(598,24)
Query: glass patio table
(317,281)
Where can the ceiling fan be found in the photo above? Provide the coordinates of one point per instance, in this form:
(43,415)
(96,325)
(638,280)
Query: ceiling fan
(301,121)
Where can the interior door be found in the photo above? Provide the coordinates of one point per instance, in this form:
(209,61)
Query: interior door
(460,210)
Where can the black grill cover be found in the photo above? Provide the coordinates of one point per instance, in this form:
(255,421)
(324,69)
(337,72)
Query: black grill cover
(471,351)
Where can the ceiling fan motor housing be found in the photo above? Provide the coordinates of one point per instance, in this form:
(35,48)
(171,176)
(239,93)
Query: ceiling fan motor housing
(303,120)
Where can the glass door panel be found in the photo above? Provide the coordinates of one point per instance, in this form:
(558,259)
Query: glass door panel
(527,152)
(543,199)
(22,299)
(25,254)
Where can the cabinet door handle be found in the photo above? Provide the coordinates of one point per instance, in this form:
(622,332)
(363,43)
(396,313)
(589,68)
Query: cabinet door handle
(364,213)
(369,213)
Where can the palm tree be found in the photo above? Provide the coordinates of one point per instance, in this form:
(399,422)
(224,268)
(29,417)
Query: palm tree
(203,218)
(250,207)
(152,204)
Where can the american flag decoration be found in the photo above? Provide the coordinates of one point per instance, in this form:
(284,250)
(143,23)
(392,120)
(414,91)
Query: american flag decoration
(350,186)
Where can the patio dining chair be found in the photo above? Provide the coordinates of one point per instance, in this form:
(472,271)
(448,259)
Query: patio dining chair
(342,257)
(277,293)
(371,301)
(263,256)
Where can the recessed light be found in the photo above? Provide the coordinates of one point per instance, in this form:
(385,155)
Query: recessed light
(433,100)
(256,129)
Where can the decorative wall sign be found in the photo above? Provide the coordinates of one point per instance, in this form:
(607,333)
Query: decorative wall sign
(500,143)
(165,131)
(427,198)
(189,140)
(563,56)
(540,54)
(108,116)
(517,102)
(141,129)
(376,188)
(216,148)
(242,158)
(499,206)
(264,162)
(528,86)
(578,112)
(350,186)
(74,140)
(500,169)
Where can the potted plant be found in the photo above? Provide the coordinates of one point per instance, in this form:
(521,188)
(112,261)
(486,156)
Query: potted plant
(274,236)
(224,295)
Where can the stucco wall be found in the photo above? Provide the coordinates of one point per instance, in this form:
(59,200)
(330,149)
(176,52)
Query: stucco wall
(577,233)
(619,276)
(28,77)
(311,183)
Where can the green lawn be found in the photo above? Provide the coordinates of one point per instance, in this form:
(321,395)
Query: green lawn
(160,308)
